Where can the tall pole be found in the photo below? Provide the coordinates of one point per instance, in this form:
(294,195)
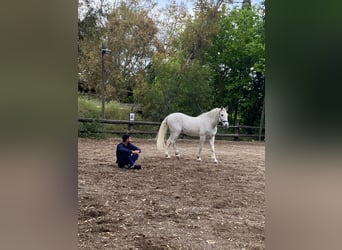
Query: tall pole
(262,119)
(103,52)
(103,86)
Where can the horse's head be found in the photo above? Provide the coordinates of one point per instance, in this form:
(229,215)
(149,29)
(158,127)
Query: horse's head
(223,117)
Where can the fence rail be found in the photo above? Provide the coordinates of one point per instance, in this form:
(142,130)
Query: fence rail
(236,128)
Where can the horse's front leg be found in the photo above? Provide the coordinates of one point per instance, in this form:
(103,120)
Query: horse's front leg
(202,140)
(212,146)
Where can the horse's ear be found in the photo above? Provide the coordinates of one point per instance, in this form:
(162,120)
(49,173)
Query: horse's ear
(227,108)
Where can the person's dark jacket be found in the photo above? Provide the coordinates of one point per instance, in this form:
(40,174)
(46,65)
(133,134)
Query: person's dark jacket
(123,153)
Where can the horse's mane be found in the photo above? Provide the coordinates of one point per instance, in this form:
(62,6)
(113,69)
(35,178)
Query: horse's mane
(209,112)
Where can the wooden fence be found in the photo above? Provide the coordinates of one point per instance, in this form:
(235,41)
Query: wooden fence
(236,132)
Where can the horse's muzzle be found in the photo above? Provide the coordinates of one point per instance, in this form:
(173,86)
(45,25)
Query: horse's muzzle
(225,124)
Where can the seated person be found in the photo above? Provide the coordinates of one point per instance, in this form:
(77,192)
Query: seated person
(127,153)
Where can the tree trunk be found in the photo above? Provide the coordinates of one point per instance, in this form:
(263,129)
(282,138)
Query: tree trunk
(236,110)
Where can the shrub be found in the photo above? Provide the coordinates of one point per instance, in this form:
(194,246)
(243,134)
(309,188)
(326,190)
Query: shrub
(90,130)
(89,108)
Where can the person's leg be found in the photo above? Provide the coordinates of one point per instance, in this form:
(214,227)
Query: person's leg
(133,159)
(125,161)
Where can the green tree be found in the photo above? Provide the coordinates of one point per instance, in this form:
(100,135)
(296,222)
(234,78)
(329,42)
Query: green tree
(131,35)
(238,59)
(171,22)
(199,32)
(195,84)
(160,97)
(173,87)
(91,30)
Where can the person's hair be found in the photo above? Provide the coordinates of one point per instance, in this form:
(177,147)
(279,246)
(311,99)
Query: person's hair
(125,137)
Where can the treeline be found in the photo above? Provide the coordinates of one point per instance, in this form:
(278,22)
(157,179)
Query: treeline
(168,60)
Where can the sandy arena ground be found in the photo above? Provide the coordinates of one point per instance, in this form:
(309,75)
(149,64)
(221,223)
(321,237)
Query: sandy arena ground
(172,203)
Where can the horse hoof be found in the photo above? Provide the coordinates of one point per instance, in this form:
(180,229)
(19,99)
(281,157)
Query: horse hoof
(199,159)
(177,155)
(167,156)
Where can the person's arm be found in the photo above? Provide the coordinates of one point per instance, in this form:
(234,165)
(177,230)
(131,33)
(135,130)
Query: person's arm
(122,148)
(134,148)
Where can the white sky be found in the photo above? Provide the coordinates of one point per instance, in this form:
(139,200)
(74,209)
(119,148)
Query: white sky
(189,3)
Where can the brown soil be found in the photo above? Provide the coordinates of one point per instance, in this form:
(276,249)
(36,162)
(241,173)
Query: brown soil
(172,203)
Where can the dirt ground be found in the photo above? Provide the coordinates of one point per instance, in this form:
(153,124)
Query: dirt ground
(172,203)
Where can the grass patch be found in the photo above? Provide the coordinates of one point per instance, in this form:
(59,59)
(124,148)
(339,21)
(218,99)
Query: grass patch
(115,111)
(89,107)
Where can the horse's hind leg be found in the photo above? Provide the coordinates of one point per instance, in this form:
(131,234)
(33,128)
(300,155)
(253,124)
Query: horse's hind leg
(172,140)
(174,137)
(213,157)
(168,142)
(176,149)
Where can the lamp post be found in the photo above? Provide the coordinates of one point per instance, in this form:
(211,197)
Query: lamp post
(103,52)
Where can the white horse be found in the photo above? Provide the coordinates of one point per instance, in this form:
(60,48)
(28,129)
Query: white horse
(204,126)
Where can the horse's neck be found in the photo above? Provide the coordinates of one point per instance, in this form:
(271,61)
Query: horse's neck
(213,114)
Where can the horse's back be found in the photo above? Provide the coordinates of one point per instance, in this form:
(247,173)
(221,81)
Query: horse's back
(177,116)
(180,117)
(179,122)
(177,119)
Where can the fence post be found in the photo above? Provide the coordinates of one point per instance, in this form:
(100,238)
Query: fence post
(131,121)
(130,125)
(236,138)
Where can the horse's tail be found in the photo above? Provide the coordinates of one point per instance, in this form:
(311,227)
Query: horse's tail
(161,135)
